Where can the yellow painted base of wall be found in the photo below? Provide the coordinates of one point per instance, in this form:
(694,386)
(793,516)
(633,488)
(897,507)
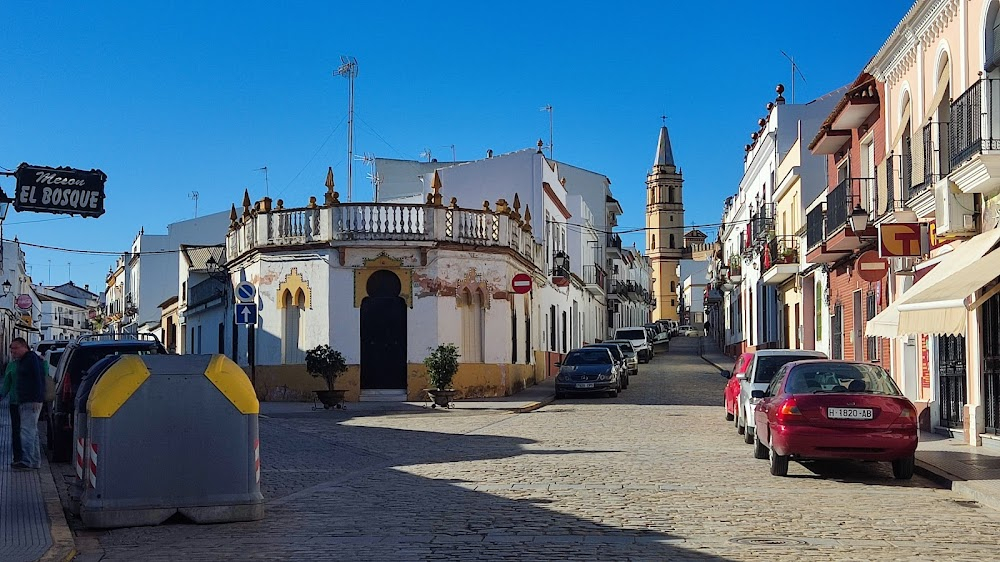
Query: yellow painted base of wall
(473,380)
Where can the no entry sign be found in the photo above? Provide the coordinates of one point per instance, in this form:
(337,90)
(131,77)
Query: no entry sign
(872,268)
(521,283)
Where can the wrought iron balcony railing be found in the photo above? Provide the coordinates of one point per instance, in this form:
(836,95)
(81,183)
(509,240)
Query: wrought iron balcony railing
(814,227)
(973,126)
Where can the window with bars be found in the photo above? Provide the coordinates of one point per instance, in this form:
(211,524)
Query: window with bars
(872,342)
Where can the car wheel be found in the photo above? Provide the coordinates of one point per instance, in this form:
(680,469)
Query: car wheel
(902,469)
(612,394)
(729,415)
(779,463)
(748,434)
(759,450)
(740,428)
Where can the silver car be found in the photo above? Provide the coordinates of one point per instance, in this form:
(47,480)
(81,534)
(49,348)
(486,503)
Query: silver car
(631,357)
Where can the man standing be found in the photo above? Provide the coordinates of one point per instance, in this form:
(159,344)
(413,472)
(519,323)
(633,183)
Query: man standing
(31,394)
(9,389)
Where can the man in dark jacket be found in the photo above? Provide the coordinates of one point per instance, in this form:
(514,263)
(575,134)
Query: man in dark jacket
(31,394)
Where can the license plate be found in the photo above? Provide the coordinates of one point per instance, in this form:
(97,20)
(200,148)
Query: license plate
(585,385)
(850,413)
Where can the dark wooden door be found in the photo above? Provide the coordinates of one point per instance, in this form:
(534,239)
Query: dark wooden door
(383,333)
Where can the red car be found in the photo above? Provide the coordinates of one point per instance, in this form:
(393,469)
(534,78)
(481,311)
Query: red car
(827,409)
(732,393)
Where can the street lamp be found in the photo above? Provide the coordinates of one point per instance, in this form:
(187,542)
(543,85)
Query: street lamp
(858,219)
(6,287)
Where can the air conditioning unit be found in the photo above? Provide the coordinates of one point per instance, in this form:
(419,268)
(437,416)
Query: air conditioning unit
(953,210)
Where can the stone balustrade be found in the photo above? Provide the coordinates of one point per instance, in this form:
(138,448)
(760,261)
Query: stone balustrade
(341,224)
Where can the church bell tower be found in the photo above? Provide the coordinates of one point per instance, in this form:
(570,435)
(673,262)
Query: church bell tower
(665,227)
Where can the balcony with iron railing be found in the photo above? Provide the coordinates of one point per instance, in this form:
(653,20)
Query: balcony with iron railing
(781,260)
(68,322)
(594,278)
(815,220)
(841,201)
(974,138)
(614,243)
(382,224)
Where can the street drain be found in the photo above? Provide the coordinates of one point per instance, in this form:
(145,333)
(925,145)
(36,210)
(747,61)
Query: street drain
(768,541)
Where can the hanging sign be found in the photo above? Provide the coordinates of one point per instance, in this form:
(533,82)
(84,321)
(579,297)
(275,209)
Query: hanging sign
(65,191)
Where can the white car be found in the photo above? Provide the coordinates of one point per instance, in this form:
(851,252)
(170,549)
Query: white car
(686,330)
(637,336)
(757,376)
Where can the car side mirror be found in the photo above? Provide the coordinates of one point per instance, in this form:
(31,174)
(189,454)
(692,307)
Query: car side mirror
(726,374)
(758,394)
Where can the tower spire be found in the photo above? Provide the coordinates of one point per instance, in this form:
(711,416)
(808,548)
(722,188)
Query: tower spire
(664,154)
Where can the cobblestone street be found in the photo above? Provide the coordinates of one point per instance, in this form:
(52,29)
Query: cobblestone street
(655,474)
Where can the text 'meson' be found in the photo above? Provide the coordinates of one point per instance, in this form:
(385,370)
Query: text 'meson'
(60,190)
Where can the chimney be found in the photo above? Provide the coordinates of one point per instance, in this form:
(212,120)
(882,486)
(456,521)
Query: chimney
(86,286)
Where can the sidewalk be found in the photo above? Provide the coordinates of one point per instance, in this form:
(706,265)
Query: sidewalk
(29,504)
(973,472)
(529,399)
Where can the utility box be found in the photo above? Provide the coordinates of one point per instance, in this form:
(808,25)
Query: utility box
(171,434)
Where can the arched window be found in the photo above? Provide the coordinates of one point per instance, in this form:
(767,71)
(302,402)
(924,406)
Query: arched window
(652,242)
(473,326)
(673,243)
(992,37)
(673,286)
(292,352)
(670,195)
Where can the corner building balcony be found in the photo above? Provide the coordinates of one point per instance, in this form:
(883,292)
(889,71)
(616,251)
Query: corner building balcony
(974,138)
(840,202)
(816,246)
(380,224)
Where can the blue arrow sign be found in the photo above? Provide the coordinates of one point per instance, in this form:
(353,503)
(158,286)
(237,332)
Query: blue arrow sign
(246,292)
(246,313)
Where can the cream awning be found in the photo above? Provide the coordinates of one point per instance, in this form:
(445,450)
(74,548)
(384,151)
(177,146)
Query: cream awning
(936,303)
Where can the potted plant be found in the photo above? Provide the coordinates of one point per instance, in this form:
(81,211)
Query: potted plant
(789,255)
(442,364)
(328,363)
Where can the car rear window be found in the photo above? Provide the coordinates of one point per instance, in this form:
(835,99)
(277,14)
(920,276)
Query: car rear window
(631,334)
(816,378)
(616,351)
(768,365)
(588,357)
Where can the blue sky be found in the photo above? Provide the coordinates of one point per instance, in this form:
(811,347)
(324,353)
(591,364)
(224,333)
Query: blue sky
(170,98)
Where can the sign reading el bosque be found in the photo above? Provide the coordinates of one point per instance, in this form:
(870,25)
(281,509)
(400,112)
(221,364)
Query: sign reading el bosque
(60,190)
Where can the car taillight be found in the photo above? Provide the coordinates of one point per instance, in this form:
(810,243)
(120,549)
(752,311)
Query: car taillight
(789,411)
(66,390)
(907,416)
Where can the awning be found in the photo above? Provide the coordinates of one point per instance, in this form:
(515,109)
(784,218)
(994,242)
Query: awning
(936,303)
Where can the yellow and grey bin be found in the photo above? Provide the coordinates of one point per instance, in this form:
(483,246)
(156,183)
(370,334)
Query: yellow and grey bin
(171,434)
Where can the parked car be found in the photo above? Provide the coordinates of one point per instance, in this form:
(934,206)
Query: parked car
(621,361)
(764,364)
(687,330)
(640,341)
(588,370)
(731,394)
(659,334)
(631,357)
(835,410)
(79,356)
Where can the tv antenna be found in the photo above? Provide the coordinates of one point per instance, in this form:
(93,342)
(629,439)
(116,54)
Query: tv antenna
(795,70)
(426,154)
(194,195)
(266,186)
(369,159)
(452,147)
(349,69)
(549,109)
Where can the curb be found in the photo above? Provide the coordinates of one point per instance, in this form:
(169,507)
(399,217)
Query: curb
(63,544)
(935,474)
(535,405)
(709,361)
